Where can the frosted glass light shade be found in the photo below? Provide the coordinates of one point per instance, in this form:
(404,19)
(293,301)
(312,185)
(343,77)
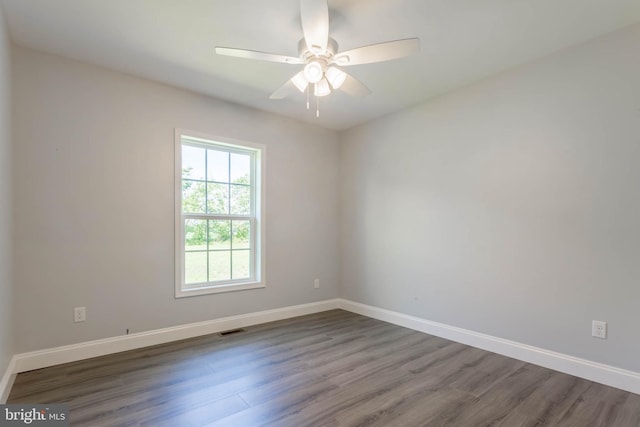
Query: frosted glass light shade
(336,77)
(300,81)
(322,88)
(313,72)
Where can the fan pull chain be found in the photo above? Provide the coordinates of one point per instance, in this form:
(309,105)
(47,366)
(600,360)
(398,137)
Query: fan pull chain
(307,91)
(317,106)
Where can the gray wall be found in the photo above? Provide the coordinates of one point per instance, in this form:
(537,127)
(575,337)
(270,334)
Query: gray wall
(93,178)
(6,306)
(510,207)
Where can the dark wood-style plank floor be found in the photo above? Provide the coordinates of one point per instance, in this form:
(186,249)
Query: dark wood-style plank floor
(328,369)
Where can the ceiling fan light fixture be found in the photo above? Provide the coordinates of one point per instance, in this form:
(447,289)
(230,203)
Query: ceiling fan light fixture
(300,81)
(336,77)
(321,59)
(313,72)
(322,88)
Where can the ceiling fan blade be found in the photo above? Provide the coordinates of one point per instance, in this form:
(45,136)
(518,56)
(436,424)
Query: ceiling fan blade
(315,24)
(354,87)
(285,90)
(261,56)
(378,52)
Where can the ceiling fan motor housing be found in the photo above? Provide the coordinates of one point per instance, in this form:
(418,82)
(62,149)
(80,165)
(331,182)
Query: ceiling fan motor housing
(306,54)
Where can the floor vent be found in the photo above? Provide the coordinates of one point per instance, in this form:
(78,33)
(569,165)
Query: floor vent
(232,331)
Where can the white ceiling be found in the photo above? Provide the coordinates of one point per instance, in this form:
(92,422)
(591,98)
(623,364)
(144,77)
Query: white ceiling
(172,41)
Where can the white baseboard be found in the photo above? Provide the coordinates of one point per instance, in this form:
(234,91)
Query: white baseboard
(7,380)
(604,374)
(71,353)
(593,371)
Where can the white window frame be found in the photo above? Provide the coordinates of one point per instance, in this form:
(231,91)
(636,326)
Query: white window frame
(258,254)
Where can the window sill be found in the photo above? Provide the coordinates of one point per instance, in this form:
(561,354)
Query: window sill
(218,289)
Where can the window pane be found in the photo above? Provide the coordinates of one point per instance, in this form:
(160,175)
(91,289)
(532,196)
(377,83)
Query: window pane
(218,201)
(219,235)
(240,200)
(241,263)
(195,235)
(193,196)
(241,234)
(195,267)
(217,166)
(219,266)
(193,162)
(218,248)
(240,168)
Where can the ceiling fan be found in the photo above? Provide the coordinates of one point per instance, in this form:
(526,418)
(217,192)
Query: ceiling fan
(321,59)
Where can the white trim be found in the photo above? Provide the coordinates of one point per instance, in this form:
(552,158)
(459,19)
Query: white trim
(178,231)
(6,382)
(71,353)
(593,371)
(229,287)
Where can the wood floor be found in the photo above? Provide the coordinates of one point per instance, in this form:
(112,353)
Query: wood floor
(328,369)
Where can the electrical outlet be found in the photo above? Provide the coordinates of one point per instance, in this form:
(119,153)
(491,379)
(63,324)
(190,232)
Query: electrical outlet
(316,283)
(599,329)
(79,314)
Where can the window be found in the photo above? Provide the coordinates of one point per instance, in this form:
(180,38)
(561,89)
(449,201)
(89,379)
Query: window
(218,215)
